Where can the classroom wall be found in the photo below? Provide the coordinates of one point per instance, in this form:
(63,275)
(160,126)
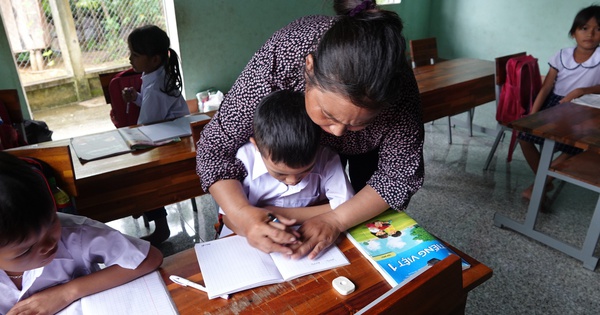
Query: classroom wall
(218,38)
(9,78)
(492,28)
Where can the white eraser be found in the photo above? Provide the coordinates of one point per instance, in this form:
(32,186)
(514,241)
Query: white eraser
(343,285)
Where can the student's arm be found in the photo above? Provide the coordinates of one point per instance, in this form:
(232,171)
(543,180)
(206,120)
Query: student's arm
(249,221)
(547,87)
(300,215)
(54,299)
(579,92)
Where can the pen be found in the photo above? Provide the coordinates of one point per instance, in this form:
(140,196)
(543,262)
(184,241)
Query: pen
(273,218)
(187,283)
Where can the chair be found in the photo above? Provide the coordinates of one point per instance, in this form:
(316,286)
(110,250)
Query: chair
(500,79)
(424,52)
(12,116)
(59,158)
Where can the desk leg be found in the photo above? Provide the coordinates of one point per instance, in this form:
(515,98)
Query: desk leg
(527,228)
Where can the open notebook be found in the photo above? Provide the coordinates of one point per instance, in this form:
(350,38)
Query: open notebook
(231,265)
(146,295)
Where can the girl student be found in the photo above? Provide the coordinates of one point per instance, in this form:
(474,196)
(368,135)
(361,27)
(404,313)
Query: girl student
(361,91)
(574,71)
(160,96)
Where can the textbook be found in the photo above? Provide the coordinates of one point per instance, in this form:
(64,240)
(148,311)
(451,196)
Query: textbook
(128,139)
(592,100)
(397,246)
(146,295)
(230,265)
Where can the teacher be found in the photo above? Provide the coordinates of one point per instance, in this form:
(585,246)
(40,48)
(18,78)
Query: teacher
(361,91)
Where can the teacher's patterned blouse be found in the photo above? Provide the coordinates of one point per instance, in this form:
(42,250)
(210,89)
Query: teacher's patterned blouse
(279,64)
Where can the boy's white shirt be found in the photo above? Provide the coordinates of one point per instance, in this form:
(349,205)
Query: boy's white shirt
(84,244)
(326,181)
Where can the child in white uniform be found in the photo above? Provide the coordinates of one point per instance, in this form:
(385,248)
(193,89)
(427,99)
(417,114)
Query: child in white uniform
(160,96)
(48,260)
(573,72)
(288,172)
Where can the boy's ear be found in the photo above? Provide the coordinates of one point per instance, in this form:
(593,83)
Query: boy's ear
(253,142)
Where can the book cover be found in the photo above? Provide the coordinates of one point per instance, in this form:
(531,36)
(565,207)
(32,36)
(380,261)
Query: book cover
(397,246)
(230,265)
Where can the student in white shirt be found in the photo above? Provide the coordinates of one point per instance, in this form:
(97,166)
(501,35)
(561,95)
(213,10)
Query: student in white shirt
(49,260)
(160,96)
(288,171)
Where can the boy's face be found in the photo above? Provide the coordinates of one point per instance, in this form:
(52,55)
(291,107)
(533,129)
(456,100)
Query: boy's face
(283,173)
(36,251)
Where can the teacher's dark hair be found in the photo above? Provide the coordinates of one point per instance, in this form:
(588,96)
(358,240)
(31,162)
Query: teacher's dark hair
(362,57)
(26,204)
(283,131)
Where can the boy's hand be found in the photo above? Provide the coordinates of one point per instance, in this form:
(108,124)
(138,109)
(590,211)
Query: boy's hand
(268,236)
(49,301)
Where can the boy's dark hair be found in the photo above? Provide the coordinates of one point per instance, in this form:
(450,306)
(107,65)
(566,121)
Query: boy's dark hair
(584,16)
(283,131)
(362,57)
(150,40)
(26,202)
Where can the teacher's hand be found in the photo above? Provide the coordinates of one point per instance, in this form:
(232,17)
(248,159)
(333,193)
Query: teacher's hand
(318,233)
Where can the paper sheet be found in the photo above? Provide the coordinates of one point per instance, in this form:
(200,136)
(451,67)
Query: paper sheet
(592,100)
(147,295)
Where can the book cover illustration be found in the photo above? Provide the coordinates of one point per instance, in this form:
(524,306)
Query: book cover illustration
(397,246)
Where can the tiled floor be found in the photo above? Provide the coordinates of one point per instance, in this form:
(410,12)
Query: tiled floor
(457,203)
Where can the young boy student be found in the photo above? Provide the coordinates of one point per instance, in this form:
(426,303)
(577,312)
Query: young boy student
(288,172)
(48,260)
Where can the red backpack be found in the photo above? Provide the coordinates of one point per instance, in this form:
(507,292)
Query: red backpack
(121,114)
(523,83)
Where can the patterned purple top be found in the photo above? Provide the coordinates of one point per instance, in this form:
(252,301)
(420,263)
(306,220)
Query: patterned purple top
(279,64)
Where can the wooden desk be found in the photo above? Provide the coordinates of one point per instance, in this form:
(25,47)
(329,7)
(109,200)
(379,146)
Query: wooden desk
(132,183)
(578,126)
(311,294)
(454,86)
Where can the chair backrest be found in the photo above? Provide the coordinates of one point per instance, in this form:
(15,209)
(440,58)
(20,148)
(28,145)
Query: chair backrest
(501,71)
(437,291)
(59,158)
(521,84)
(423,51)
(121,114)
(105,82)
(196,128)
(12,130)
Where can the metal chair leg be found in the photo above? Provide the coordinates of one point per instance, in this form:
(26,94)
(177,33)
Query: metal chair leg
(493,150)
(449,130)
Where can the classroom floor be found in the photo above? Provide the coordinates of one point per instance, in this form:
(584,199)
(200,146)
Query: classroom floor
(457,203)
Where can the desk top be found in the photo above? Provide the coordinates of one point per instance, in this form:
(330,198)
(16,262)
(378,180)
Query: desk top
(569,123)
(453,71)
(454,86)
(309,294)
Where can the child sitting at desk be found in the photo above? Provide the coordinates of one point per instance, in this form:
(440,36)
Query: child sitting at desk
(573,72)
(48,259)
(288,172)
(160,96)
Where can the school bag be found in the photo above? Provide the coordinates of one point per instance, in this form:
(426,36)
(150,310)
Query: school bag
(121,114)
(523,83)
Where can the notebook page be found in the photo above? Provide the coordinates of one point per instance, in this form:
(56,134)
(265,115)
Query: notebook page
(294,268)
(230,265)
(147,295)
(592,100)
